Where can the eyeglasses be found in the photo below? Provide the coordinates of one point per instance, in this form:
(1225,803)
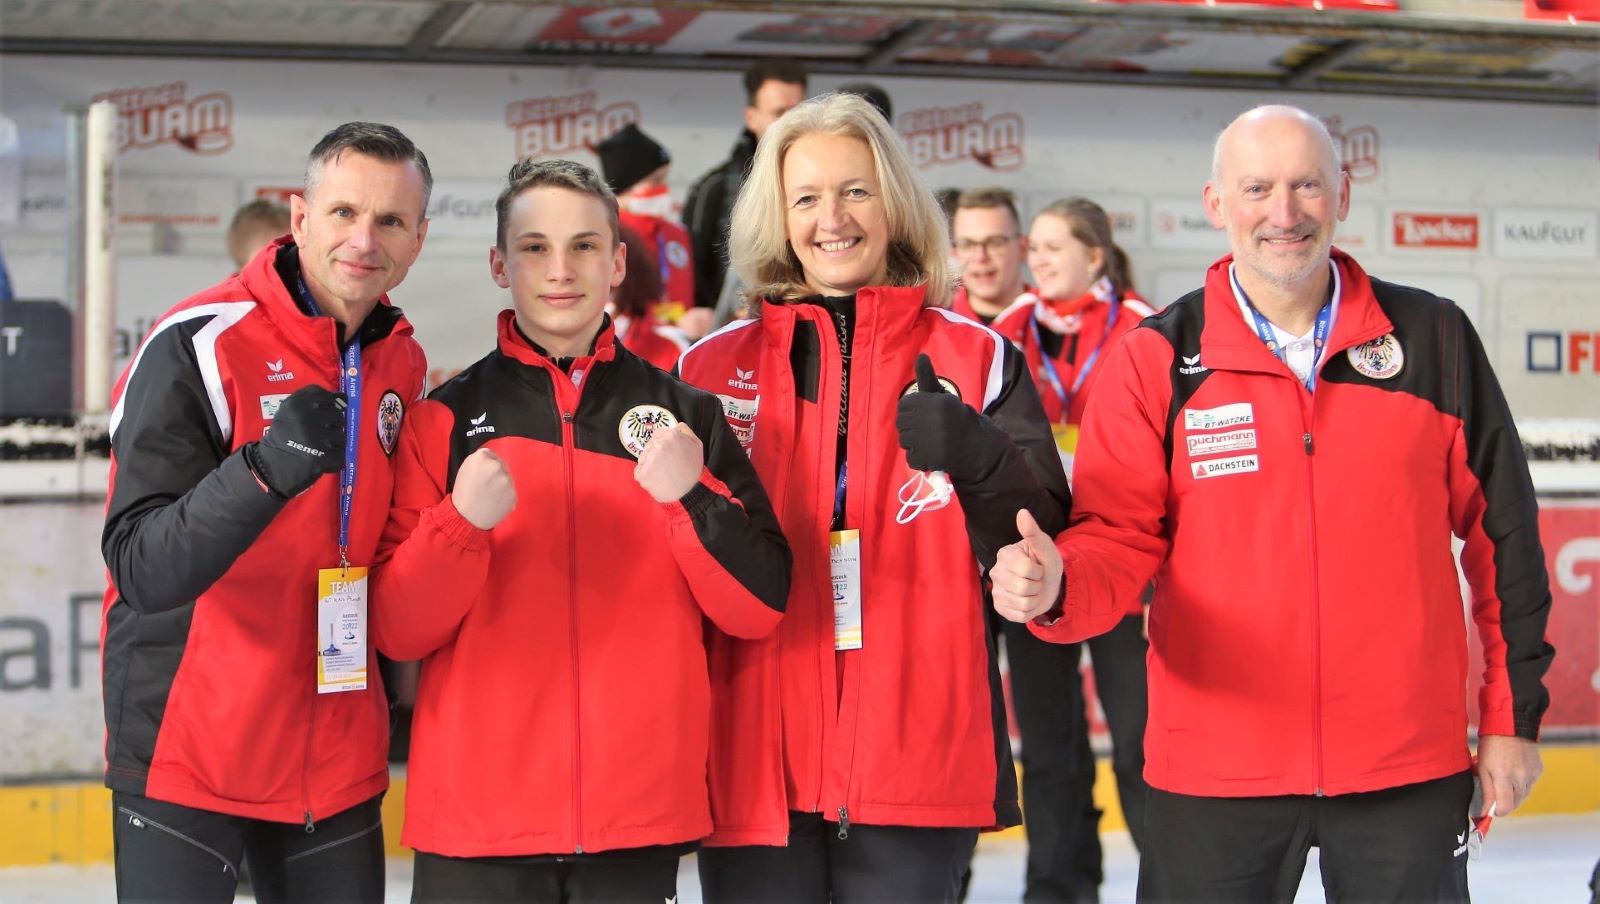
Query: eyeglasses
(994,244)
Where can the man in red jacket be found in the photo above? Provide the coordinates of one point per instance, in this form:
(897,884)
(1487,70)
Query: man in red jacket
(244,713)
(1288,451)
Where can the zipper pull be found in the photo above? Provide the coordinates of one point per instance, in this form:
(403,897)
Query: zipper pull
(566,417)
(311,825)
(1306,438)
(844,823)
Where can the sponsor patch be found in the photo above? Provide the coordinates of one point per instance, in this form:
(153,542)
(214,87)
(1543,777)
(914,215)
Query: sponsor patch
(270,404)
(1220,467)
(1214,443)
(1379,359)
(1191,366)
(741,416)
(390,411)
(743,379)
(639,423)
(1222,416)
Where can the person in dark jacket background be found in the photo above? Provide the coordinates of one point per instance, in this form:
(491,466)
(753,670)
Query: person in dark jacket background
(771,88)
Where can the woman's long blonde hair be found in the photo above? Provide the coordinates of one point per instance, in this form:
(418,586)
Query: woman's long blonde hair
(758,242)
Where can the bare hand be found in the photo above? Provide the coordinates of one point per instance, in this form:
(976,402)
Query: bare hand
(696,322)
(484,492)
(1027,574)
(670,464)
(1507,768)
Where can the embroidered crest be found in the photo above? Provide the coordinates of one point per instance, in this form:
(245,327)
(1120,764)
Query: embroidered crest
(948,385)
(390,412)
(640,423)
(1379,359)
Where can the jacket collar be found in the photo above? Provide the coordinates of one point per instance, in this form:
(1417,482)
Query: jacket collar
(879,310)
(514,345)
(1227,342)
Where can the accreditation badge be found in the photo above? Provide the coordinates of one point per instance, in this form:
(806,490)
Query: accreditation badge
(341,630)
(844,560)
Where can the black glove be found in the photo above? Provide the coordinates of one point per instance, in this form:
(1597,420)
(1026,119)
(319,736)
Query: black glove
(304,442)
(942,433)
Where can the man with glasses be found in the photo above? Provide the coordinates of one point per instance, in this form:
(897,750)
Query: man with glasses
(986,233)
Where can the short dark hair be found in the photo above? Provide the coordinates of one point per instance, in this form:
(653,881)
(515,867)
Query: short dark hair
(567,174)
(992,196)
(771,70)
(374,139)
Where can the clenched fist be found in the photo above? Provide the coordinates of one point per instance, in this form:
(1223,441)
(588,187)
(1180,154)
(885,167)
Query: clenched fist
(670,464)
(484,493)
(1027,574)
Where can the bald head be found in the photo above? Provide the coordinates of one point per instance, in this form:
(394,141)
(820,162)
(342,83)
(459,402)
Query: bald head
(1267,122)
(1277,189)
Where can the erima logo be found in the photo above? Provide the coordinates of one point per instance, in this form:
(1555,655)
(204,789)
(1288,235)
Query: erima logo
(275,372)
(478,425)
(1191,365)
(744,379)
(316,453)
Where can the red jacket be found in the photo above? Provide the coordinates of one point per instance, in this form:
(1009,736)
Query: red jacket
(915,735)
(1089,330)
(1006,322)
(1306,632)
(564,701)
(669,242)
(655,342)
(209,632)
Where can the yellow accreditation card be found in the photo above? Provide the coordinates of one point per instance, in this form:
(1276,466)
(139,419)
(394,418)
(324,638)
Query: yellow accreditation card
(1066,437)
(844,559)
(341,630)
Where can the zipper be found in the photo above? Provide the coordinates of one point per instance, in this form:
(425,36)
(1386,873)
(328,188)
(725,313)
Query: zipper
(844,823)
(1316,593)
(568,440)
(139,821)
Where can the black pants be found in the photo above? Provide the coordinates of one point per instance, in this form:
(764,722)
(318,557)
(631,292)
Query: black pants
(1058,769)
(872,865)
(1120,682)
(1400,844)
(167,852)
(627,876)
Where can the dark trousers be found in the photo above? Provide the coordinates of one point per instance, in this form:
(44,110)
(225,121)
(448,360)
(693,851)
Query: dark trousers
(1399,844)
(629,876)
(1118,657)
(1058,769)
(167,852)
(873,864)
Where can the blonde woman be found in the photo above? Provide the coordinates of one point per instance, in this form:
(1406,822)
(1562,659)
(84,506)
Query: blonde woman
(857,755)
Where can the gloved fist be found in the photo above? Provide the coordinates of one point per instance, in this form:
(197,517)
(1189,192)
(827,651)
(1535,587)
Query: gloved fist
(304,442)
(942,433)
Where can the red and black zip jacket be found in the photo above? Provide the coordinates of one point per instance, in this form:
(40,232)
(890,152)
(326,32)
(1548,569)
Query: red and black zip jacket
(209,631)
(1307,631)
(1068,352)
(910,729)
(564,700)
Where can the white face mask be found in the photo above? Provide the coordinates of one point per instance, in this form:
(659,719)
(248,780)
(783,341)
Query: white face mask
(926,491)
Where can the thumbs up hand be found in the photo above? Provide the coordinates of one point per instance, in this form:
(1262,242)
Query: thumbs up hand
(1027,574)
(942,433)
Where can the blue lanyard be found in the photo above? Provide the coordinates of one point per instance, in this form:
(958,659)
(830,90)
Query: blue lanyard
(1319,335)
(1054,376)
(838,492)
(350,382)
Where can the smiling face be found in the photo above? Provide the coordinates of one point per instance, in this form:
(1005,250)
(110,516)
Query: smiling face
(835,217)
(359,231)
(1063,266)
(989,243)
(560,262)
(1279,195)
